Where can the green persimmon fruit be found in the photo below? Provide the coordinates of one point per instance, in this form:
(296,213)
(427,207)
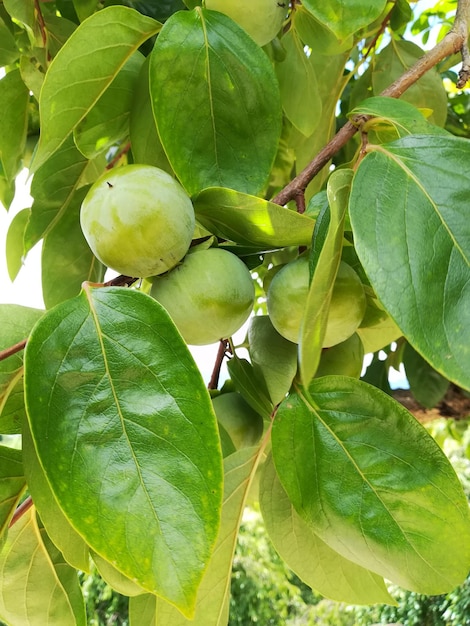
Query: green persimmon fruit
(287,299)
(209,295)
(241,422)
(261,19)
(138,220)
(343,359)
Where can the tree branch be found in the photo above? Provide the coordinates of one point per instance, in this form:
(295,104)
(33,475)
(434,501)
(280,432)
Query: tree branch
(4,354)
(453,42)
(21,510)
(214,381)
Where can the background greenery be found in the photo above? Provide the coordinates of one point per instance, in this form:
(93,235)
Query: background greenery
(267,593)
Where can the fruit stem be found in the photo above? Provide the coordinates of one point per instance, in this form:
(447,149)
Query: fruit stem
(221,353)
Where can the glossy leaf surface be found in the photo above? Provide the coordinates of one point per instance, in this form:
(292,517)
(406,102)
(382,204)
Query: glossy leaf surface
(216,102)
(214,593)
(402,511)
(251,221)
(425,287)
(124,429)
(108,121)
(64,103)
(318,565)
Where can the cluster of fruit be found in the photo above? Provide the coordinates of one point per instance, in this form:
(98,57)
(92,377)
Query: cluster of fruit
(139,221)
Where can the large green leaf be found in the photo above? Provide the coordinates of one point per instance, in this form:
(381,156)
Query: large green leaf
(108,121)
(300,96)
(14,99)
(318,565)
(326,263)
(213,597)
(67,260)
(12,485)
(84,68)
(68,541)
(317,36)
(216,102)
(124,429)
(146,145)
(409,214)
(345,18)
(373,484)
(16,323)
(32,592)
(251,221)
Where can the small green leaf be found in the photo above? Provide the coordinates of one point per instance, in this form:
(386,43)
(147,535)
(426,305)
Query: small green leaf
(84,8)
(108,121)
(345,18)
(272,356)
(9,52)
(53,189)
(407,195)
(427,93)
(314,562)
(124,429)
(93,56)
(68,541)
(15,243)
(250,385)
(12,486)
(405,118)
(23,13)
(317,36)
(373,484)
(67,260)
(14,99)
(216,102)
(300,95)
(427,386)
(31,591)
(16,323)
(251,221)
(326,267)
(142,610)
(212,605)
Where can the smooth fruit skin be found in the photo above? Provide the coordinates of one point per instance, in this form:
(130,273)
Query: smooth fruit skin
(209,296)
(261,19)
(138,220)
(287,299)
(343,359)
(241,422)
